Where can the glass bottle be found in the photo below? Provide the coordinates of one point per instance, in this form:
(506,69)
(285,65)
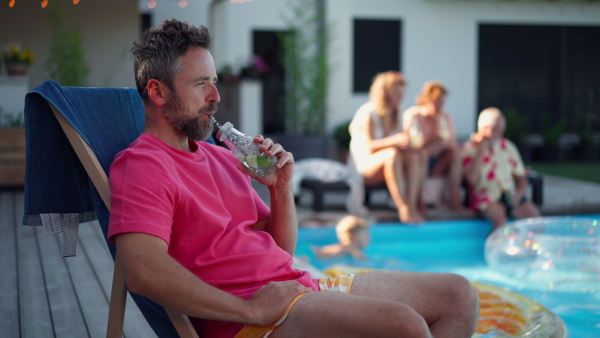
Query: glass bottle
(245,149)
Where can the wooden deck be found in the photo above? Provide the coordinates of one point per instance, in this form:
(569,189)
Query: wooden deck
(44,295)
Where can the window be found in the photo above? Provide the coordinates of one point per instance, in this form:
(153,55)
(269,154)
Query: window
(377,48)
(540,69)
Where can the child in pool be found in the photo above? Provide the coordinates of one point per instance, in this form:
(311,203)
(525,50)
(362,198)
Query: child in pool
(353,234)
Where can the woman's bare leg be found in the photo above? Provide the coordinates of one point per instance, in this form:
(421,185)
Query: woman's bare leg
(386,165)
(416,171)
(449,165)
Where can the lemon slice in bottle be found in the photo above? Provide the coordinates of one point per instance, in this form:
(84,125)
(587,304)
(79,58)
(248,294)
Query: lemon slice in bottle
(252,161)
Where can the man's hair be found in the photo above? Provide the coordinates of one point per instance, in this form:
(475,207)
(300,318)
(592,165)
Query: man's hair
(488,117)
(378,93)
(156,54)
(430,92)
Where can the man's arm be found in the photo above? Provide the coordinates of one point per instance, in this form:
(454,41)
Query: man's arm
(282,223)
(151,272)
(520,187)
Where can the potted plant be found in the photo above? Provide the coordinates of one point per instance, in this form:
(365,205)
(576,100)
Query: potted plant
(66,63)
(517,128)
(12,149)
(305,60)
(588,148)
(551,134)
(17,60)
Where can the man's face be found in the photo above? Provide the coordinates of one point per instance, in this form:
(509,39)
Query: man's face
(195,97)
(495,131)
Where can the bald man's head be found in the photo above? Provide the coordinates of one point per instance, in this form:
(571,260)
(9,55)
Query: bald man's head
(491,123)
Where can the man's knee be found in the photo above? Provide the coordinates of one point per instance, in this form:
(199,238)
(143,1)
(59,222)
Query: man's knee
(411,325)
(462,295)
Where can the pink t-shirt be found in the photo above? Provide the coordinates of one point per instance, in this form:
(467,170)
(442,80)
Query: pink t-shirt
(202,206)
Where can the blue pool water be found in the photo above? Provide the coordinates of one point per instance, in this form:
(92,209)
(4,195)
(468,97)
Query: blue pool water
(455,246)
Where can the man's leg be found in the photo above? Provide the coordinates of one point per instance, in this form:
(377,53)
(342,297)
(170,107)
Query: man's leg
(388,304)
(448,302)
(526,210)
(496,213)
(332,314)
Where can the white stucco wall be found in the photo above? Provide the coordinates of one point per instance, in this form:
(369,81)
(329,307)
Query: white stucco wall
(439,40)
(195,12)
(108,27)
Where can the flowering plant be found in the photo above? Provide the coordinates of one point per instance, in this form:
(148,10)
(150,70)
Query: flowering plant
(255,67)
(15,55)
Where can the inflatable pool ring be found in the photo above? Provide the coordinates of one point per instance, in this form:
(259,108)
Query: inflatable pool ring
(502,313)
(550,253)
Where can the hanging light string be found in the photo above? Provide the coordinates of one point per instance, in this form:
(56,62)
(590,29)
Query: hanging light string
(43,3)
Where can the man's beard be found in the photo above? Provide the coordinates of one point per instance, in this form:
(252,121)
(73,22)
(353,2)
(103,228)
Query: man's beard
(193,126)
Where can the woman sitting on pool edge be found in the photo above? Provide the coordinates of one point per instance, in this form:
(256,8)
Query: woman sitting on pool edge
(353,235)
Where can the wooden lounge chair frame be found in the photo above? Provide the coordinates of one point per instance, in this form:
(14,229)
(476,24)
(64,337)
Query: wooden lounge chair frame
(116,314)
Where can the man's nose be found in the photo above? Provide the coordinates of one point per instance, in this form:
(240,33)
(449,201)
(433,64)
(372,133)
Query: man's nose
(213,95)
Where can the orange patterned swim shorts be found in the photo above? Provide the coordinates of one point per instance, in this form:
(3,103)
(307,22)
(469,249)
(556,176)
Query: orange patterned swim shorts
(341,284)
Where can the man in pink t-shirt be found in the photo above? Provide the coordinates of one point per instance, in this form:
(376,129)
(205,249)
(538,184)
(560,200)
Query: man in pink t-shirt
(195,237)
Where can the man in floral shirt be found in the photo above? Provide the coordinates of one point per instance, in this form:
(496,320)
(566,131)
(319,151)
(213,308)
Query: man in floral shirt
(495,173)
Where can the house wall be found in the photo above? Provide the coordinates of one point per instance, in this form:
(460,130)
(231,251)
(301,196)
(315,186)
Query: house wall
(196,11)
(439,41)
(108,27)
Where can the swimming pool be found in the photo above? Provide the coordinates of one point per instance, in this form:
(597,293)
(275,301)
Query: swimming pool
(455,246)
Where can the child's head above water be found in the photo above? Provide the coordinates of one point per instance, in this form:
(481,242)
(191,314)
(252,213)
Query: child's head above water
(353,230)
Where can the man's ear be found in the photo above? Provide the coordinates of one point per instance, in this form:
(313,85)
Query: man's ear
(157,92)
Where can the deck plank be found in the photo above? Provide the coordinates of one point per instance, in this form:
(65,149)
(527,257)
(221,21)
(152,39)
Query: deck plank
(93,302)
(9,299)
(34,311)
(66,313)
(92,241)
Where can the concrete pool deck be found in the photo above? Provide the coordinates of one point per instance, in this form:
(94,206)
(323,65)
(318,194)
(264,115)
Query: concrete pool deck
(562,196)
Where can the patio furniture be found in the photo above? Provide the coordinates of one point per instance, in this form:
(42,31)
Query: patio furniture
(318,189)
(73,135)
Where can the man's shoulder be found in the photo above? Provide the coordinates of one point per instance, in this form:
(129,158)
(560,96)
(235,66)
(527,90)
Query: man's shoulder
(143,151)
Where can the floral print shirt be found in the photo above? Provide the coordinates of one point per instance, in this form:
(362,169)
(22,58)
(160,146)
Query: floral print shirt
(499,164)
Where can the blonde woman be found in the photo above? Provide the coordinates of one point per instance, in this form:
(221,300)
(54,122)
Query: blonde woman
(439,139)
(381,152)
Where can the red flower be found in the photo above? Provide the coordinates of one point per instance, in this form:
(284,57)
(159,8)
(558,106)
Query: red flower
(512,162)
(491,175)
(467,161)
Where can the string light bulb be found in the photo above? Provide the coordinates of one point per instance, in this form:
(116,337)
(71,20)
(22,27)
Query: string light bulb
(183,3)
(11,3)
(151,4)
(75,2)
(44,3)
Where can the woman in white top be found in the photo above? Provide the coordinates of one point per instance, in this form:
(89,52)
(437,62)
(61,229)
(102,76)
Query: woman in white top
(382,152)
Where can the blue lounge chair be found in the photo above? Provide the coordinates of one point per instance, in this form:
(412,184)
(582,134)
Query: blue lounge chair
(73,135)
